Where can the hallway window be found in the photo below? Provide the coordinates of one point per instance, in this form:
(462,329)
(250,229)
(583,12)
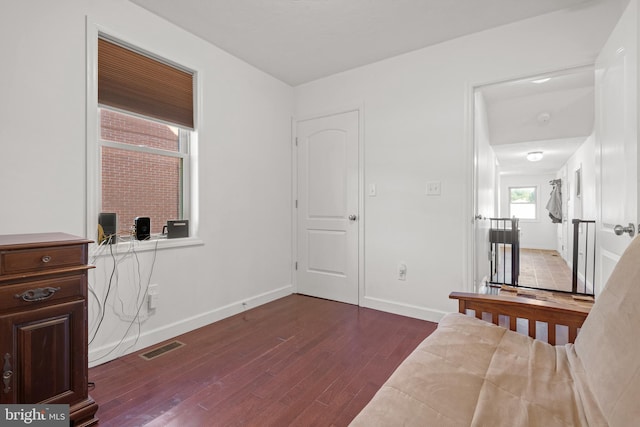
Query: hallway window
(522,202)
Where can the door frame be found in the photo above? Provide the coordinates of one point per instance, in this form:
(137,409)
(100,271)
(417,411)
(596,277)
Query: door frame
(294,192)
(470,204)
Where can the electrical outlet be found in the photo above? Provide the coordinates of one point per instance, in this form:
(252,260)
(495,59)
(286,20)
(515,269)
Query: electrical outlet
(402,271)
(152,296)
(433,188)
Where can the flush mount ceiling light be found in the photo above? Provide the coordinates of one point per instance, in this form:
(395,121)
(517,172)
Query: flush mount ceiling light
(534,156)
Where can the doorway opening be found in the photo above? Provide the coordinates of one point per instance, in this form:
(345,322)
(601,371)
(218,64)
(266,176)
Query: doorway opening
(534,160)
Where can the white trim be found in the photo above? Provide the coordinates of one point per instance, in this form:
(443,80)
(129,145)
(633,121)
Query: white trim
(190,208)
(191,198)
(142,149)
(182,326)
(155,243)
(470,202)
(294,208)
(361,209)
(403,309)
(469,266)
(531,75)
(91,125)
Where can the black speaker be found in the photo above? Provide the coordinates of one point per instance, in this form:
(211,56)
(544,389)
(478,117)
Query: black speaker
(108,224)
(143,228)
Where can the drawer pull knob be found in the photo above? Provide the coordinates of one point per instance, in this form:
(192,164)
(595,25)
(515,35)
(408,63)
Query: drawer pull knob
(37,294)
(46,259)
(7,373)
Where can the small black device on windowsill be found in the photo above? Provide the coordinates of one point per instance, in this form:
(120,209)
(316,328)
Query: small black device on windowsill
(176,228)
(143,228)
(107,223)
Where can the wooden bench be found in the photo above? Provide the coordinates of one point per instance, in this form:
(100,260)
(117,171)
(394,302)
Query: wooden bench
(533,310)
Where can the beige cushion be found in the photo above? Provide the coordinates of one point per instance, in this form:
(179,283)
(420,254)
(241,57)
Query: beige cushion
(473,373)
(608,344)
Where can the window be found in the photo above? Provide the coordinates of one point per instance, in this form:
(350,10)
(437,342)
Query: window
(145,126)
(143,169)
(522,202)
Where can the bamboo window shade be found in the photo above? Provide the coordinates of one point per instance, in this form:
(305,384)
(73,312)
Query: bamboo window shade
(133,82)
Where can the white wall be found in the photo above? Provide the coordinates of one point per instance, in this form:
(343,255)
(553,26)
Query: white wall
(244,170)
(583,207)
(417,129)
(539,233)
(416,122)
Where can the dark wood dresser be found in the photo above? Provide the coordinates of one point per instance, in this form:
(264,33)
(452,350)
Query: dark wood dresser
(43,322)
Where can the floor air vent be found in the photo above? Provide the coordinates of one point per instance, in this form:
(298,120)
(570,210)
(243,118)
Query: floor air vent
(157,352)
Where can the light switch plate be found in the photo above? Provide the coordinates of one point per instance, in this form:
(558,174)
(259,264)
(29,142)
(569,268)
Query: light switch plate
(433,188)
(372,190)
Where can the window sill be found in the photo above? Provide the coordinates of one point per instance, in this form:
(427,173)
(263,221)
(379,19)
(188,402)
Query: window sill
(157,242)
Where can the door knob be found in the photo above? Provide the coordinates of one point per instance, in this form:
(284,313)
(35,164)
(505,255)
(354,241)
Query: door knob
(620,230)
(479,216)
(352,217)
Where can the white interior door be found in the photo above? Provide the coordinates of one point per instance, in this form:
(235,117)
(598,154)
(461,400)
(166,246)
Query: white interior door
(616,142)
(484,200)
(485,203)
(328,214)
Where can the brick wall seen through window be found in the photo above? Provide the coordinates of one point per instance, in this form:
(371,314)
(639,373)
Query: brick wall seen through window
(140,183)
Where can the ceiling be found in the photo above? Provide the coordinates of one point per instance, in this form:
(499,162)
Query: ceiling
(298,41)
(552,113)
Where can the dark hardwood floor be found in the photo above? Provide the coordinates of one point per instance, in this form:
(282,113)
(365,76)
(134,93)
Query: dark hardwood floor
(295,361)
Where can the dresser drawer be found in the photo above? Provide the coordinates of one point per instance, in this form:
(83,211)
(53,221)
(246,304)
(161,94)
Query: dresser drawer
(39,292)
(19,261)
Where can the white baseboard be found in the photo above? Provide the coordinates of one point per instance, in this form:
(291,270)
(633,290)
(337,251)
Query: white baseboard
(106,352)
(403,309)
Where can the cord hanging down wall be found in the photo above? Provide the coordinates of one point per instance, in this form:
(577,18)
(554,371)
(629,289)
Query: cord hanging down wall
(113,299)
